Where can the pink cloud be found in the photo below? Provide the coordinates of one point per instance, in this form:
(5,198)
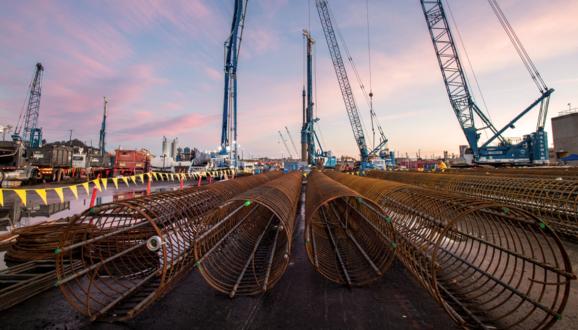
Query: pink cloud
(213,74)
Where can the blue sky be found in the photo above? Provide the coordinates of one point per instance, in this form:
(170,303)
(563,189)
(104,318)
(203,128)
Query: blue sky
(160,64)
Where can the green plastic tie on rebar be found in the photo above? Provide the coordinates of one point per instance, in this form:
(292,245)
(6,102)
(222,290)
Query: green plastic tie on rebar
(506,210)
(393,245)
(558,317)
(57,251)
(359,199)
(542,225)
(247,203)
(197,264)
(388,219)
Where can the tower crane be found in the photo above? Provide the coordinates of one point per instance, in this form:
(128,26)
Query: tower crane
(31,134)
(229,146)
(534,147)
(345,87)
(101,141)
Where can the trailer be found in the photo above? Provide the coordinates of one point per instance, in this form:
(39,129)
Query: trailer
(14,166)
(52,161)
(131,162)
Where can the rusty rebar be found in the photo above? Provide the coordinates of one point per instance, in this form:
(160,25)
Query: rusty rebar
(553,200)
(542,172)
(247,248)
(348,238)
(135,249)
(488,264)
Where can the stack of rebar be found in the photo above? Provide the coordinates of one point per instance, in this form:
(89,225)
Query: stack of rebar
(134,250)
(348,238)
(488,264)
(247,248)
(552,200)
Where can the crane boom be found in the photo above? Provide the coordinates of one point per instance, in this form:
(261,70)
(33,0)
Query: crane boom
(291,140)
(232,48)
(101,141)
(534,147)
(285,144)
(31,133)
(453,73)
(342,78)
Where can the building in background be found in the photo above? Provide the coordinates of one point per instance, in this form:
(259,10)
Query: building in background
(565,134)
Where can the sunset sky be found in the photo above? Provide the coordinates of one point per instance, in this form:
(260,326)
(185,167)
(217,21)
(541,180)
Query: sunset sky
(160,63)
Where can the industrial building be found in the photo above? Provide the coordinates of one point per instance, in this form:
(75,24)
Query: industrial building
(565,134)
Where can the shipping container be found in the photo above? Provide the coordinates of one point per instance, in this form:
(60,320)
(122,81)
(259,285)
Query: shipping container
(129,162)
(52,156)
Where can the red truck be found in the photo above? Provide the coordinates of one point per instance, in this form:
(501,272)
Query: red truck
(131,162)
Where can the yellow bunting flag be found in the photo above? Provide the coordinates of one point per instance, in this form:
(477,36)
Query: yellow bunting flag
(22,194)
(97,184)
(60,193)
(74,191)
(85,186)
(149,176)
(104,183)
(125,179)
(42,194)
(172,177)
(141,177)
(155,175)
(133,179)
(1,197)
(115,181)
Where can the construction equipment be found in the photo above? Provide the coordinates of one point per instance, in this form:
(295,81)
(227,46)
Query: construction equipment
(31,134)
(533,150)
(308,133)
(229,146)
(101,141)
(285,144)
(345,87)
(291,140)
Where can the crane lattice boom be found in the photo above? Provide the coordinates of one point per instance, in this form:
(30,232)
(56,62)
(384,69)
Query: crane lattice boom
(342,78)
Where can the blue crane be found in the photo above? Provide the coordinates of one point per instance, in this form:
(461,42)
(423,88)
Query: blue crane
(229,144)
(534,147)
(101,141)
(345,87)
(31,135)
(308,132)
